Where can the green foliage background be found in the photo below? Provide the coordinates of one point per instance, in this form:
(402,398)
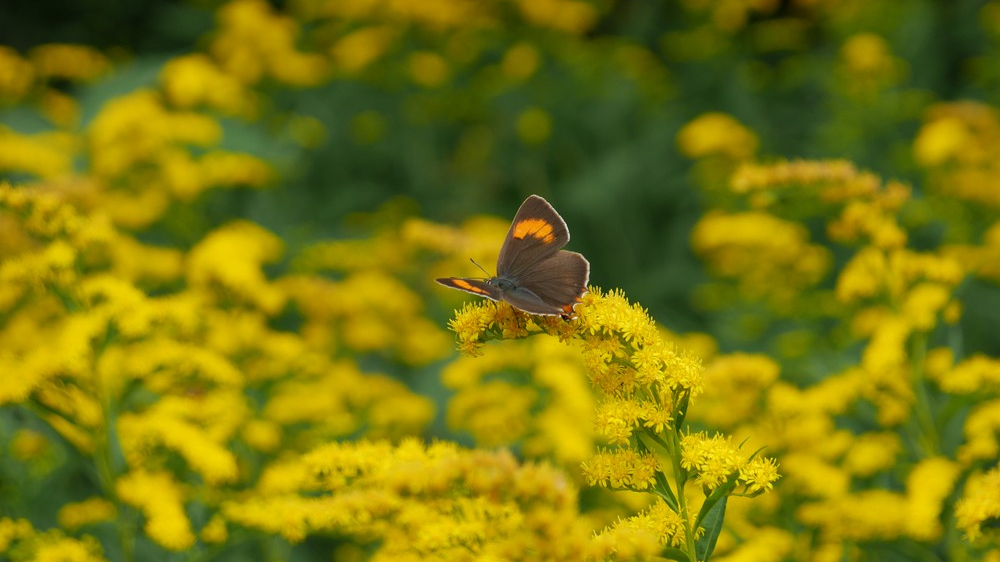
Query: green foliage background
(611,165)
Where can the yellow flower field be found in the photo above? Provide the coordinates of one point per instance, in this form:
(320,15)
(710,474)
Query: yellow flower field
(221,222)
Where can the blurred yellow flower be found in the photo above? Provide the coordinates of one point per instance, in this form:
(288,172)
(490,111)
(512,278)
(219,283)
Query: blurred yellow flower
(979,505)
(570,16)
(253,41)
(136,129)
(18,539)
(520,61)
(734,385)
(938,141)
(716,134)
(755,248)
(194,80)
(71,62)
(534,126)
(872,452)
(17,75)
(44,155)
(866,54)
(91,510)
(928,486)
(428,69)
(28,445)
(867,65)
(161,500)
(229,262)
(357,50)
(215,531)
(870,514)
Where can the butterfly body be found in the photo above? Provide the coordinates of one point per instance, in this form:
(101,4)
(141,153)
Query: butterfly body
(534,273)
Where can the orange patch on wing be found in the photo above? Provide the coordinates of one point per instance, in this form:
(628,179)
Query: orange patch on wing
(468,286)
(536,228)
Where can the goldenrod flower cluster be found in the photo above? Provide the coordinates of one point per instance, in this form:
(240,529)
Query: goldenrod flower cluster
(422,502)
(645,385)
(169,381)
(875,445)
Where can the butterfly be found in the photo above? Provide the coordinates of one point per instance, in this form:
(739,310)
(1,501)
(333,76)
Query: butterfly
(534,273)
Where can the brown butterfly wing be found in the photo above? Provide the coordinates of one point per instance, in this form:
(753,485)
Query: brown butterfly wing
(536,233)
(474,286)
(558,281)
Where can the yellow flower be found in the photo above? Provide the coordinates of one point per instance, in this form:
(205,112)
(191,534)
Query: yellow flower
(339,399)
(976,374)
(866,54)
(957,143)
(484,503)
(141,433)
(71,62)
(872,452)
(161,500)
(571,16)
(428,69)
(43,155)
(759,474)
(252,41)
(262,435)
(17,75)
(545,427)
(812,476)
(617,419)
(980,503)
(92,510)
(981,429)
(29,445)
(215,531)
(497,413)
(923,303)
(360,48)
(136,129)
(716,134)
(734,385)
(659,520)
(520,61)
(193,80)
(938,141)
(866,515)
(65,549)
(755,248)
(867,65)
(713,460)
(765,543)
(928,485)
(621,468)
(230,259)
(534,126)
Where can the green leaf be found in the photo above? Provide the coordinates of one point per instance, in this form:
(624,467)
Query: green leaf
(719,493)
(713,527)
(664,491)
(681,409)
(675,554)
(662,486)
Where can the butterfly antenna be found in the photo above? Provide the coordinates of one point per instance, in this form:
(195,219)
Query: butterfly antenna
(480,267)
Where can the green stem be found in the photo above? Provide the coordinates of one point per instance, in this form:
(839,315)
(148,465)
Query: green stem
(922,407)
(104,460)
(679,482)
